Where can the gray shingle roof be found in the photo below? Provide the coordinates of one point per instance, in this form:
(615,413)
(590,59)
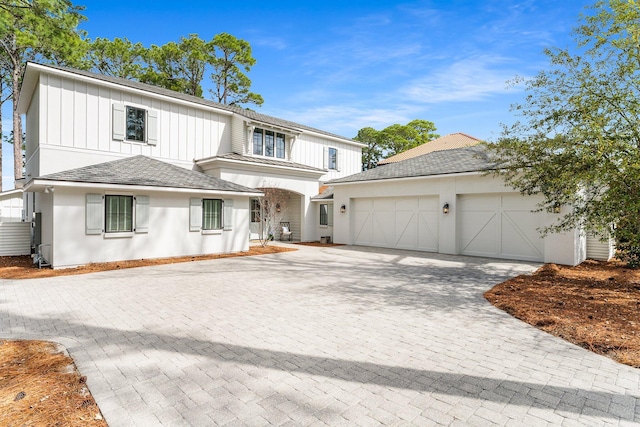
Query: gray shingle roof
(260,160)
(249,114)
(461,160)
(145,171)
(447,142)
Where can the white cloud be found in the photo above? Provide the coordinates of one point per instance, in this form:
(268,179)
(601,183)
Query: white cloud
(272,42)
(470,79)
(347,119)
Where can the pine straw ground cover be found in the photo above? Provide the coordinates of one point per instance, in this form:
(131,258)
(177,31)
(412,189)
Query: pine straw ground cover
(40,386)
(595,305)
(21,267)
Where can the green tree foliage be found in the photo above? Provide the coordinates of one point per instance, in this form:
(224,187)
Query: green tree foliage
(393,139)
(116,58)
(178,66)
(578,141)
(232,57)
(36,29)
(372,153)
(181,66)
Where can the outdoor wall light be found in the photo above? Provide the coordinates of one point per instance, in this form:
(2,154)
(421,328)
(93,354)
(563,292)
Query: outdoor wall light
(278,207)
(343,209)
(445,208)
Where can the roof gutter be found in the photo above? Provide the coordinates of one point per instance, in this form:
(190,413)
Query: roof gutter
(213,160)
(408,178)
(39,185)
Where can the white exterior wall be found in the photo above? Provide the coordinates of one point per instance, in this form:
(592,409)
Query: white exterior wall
(322,230)
(32,128)
(11,206)
(310,150)
(74,127)
(306,188)
(566,248)
(168,235)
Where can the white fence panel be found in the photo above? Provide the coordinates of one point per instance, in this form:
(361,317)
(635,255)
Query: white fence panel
(15,238)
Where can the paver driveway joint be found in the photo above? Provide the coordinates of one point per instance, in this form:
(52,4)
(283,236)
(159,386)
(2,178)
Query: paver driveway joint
(336,336)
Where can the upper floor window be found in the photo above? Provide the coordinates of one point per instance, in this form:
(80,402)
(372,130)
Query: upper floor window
(332,160)
(257,142)
(280,146)
(268,143)
(136,124)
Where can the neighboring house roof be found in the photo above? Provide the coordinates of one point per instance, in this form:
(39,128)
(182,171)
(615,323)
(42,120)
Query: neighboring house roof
(460,160)
(447,142)
(249,114)
(326,193)
(145,171)
(259,160)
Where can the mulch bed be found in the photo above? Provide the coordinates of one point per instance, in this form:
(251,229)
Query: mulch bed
(595,305)
(21,267)
(40,386)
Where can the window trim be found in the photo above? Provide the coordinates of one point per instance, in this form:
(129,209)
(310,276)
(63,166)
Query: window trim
(277,139)
(119,123)
(119,233)
(255,211)
(145,123)
(335,159)
(216,230)
(324,215)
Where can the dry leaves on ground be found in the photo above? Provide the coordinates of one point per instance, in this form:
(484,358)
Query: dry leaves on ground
(21,267)
(595,305)
(40,386)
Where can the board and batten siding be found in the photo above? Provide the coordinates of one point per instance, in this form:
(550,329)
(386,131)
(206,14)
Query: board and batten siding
(15,238)
(76,115)
(311,150)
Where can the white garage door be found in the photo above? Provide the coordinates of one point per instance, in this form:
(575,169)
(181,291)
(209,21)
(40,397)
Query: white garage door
(500,226)
(402,222)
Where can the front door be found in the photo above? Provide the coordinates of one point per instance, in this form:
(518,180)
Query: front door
(255,227)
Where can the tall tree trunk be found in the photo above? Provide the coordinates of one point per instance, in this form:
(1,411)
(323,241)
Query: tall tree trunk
(0,147)
(1,90)
(17,127)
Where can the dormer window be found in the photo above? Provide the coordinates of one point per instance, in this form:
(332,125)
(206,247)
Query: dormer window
(268,143)
(280,146)
(257,142)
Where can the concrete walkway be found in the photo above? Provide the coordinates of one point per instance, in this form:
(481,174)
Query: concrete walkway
(321,336)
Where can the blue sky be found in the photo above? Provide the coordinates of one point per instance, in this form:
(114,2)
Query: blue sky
(344,65)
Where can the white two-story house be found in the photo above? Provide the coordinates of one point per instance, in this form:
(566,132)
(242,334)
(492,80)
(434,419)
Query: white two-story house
(117,169)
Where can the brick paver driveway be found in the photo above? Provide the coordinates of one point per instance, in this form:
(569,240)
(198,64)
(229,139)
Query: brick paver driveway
(336,336)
